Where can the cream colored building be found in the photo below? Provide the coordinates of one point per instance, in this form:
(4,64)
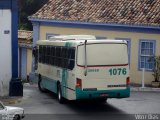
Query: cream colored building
(141,29)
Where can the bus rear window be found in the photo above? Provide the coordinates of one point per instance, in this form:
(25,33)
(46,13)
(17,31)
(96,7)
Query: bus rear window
(103,54)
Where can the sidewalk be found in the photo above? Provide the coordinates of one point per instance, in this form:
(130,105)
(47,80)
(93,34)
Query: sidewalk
(145,89)
(18,99)
(10,100)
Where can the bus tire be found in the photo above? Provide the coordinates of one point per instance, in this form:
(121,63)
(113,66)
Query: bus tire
(16,117)
(59,93)
(103,100)
(41,88)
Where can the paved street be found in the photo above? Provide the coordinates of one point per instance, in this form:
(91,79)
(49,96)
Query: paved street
(40,106)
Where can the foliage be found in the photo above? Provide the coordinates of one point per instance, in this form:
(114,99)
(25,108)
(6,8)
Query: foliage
(25,9)
(156,69)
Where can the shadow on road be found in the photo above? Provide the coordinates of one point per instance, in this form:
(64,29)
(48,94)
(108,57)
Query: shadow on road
(89,106)
(78,110)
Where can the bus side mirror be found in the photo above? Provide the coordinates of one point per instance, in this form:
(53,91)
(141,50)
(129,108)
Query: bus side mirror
(34,52)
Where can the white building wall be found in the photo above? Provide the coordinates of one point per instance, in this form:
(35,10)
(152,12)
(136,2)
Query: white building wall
(5,51)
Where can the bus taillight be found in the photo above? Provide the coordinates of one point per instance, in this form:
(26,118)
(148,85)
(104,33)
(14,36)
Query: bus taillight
(128,81)
(79,83)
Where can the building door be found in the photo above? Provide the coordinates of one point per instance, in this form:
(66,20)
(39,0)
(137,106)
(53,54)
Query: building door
(23,63)
(5,51)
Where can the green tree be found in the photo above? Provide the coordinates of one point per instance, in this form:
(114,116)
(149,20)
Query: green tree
(27,8)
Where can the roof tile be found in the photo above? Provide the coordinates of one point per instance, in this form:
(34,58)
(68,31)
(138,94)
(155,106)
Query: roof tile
(146,12)
(25,38)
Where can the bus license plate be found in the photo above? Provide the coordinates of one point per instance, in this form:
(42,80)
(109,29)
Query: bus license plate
(104,95)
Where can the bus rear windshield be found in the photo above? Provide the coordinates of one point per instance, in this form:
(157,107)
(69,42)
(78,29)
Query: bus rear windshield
(102,54)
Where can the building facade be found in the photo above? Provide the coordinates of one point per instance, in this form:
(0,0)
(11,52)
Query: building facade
(139,25)
(8,46)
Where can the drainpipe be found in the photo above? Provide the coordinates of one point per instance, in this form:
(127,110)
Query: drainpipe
(143,79)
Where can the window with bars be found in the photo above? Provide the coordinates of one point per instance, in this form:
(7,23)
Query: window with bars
(146,52)
(100,37)
(49,35)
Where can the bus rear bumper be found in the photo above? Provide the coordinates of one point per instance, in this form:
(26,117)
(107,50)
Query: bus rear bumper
(121,93)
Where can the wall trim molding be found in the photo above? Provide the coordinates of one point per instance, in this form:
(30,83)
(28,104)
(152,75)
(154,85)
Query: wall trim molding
(98,26)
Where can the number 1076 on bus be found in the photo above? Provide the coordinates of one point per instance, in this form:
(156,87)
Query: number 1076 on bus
(117,71)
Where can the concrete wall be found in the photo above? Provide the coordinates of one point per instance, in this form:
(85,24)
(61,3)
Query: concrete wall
(135,74)
(25,62)
(5,51)
(29,60)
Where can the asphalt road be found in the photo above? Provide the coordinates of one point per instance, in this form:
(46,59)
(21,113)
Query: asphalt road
(45,106)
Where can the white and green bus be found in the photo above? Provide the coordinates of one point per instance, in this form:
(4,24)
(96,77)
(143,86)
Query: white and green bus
(81,67)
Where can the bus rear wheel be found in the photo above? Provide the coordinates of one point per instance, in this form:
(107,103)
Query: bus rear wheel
(40,85)
(59,92)
(16,117)
(103,100)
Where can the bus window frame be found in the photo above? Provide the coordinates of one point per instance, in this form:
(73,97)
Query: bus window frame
(65,60)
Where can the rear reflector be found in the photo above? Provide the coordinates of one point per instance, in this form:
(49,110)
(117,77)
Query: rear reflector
(79,83)
(128,81)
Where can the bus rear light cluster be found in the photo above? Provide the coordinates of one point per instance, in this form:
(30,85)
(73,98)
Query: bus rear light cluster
(128,81)
(78,83)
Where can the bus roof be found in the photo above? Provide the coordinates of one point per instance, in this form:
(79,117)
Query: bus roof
(73,43)
(74,40)
(72,37)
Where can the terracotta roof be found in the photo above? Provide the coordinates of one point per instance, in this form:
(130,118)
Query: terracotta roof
(25,38)
(146,12)
(24,34)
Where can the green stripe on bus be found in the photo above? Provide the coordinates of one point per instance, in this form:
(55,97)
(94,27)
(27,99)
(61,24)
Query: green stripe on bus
(49,84)
(64,82)
(68,44)
(65,75)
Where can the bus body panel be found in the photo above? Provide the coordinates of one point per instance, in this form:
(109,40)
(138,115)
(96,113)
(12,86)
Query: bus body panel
(100,78)
(51,75)
(95,87)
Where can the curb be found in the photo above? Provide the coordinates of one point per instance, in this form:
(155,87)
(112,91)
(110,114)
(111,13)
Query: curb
(11,100)
(145,89)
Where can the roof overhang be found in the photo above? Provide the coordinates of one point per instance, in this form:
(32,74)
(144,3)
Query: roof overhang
(98,26)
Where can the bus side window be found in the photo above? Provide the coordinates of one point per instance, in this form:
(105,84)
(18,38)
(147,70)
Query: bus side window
(58,57)
(43,55)
(35,53)
(64,57)
(53,56)
(71,57)
(73,53)
(47,55)
(71,64)
(40,54)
